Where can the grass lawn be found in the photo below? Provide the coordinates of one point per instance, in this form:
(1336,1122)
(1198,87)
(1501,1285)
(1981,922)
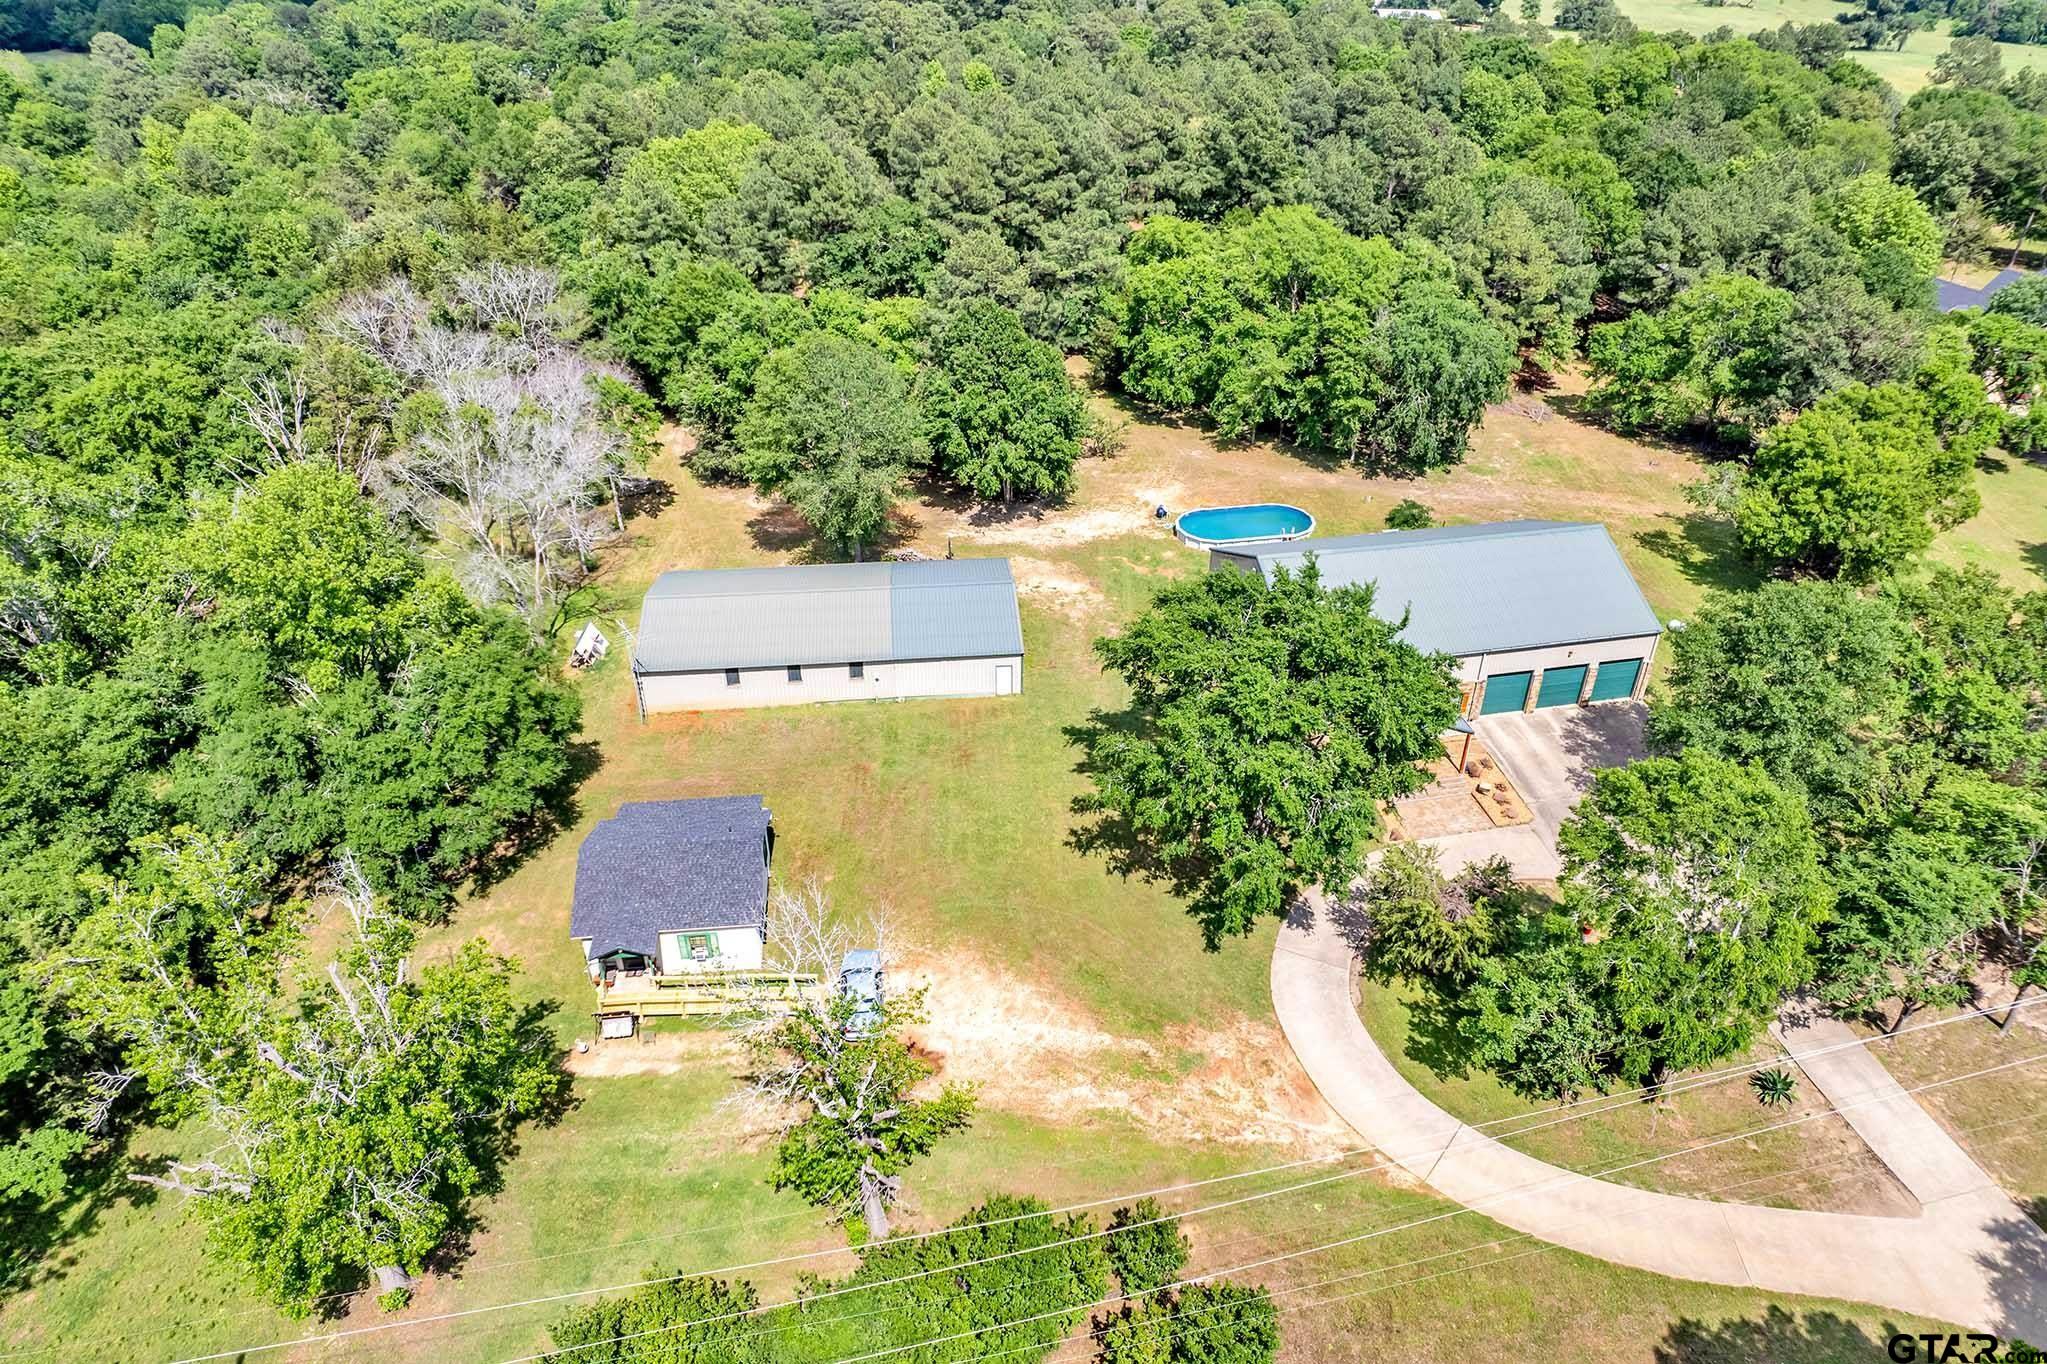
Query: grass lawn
(2009,536)
(1113,1052)
(1907,71)
(1820,1165)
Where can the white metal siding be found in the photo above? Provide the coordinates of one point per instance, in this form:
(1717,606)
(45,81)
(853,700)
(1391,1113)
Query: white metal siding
(826,682)
(732,949)
(1477,667)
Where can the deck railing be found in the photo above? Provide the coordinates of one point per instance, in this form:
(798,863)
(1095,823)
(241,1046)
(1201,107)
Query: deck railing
(702,992)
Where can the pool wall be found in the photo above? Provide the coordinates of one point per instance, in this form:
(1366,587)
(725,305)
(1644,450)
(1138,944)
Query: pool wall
(1293,523)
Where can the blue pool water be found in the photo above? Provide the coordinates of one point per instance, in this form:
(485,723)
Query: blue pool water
(1232,525)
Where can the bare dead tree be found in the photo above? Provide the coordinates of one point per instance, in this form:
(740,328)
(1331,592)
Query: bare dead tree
(517,469)
(844,1062)
(276,411)
(520,300)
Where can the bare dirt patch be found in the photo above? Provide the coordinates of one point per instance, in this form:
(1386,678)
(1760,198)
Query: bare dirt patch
(655,1053)
(1057,586)
(1107,506)
(1032,1052)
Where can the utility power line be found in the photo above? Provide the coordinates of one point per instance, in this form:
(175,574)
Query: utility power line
(1563,1176)
(1570,1111)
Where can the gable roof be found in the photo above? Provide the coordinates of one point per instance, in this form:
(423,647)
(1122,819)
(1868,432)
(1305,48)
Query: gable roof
(658,866)
(705,619)
(1948,295)
(1480,589)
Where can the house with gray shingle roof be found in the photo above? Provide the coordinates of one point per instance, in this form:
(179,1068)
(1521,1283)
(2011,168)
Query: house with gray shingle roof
(1948,295)
(1535,613)
(720,639)
(675,886)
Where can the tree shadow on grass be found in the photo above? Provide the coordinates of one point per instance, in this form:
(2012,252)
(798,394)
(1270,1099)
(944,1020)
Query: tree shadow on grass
(1777,1337)
(35,1241)
(1434,1039)
(644,497)
(780,529)
(1137,410)
(562,809)
(1127,850)
(1703,549)
(2035,556)
(981,512)
(499,1151)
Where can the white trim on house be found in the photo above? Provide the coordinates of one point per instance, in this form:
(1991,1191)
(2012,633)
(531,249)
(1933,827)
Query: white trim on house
(745,688)
(738,947)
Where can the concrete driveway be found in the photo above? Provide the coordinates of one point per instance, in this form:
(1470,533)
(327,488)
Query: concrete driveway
(1550,756)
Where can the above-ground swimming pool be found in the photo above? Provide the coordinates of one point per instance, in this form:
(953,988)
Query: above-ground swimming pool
(1241,525)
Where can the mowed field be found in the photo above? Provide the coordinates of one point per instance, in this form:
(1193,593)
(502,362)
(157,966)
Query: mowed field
(1907,70)
(1114,1054)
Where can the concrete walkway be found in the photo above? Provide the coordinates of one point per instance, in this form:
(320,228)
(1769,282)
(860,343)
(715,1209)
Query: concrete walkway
(1970,1258)
(1931,1165)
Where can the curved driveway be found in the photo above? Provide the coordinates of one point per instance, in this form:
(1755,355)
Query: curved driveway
(1970,1257)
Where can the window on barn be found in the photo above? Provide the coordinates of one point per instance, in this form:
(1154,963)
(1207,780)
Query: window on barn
(856,671)
(732,677)
(795,673)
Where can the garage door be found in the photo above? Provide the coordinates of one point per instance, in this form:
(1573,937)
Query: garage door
(1560,687)
(1616,680)
(1505,692)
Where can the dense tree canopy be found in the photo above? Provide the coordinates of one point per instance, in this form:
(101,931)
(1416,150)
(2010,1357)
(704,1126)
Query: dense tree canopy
(1910,718)
(331,334)
(999,412)
(1267,721)
(1700,882)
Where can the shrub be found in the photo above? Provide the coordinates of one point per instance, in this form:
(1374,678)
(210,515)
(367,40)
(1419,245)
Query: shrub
(1145,1257)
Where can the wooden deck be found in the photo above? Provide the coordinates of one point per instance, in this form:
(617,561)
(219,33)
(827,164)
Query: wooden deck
(700,993)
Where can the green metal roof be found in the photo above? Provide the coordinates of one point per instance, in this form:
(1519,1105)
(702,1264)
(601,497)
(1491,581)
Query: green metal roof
(803,614)
(1480,589)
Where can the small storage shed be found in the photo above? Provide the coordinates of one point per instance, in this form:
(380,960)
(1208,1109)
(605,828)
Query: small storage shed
(719,639)
(1536,613)
(674,886)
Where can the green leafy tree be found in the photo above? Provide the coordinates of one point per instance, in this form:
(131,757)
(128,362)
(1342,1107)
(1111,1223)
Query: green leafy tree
(1911,912)
(1535,1017)
(1806,678)
(679,1320)
(859,1127)
(1408,514)
(1000,415)
(2026,300)
(1286,320)
(668,184)
(1885,225)
(300,563)
(1426,926)
(1717,355)
(354,1122)
(1700,880)
(1145,1247)
(1007,1279)
(1855,487)
(832,428)
(1267,720)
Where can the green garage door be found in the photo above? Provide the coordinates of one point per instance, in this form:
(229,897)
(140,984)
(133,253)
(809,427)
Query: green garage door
(1560,687)
(1505,692)
(1616,680)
